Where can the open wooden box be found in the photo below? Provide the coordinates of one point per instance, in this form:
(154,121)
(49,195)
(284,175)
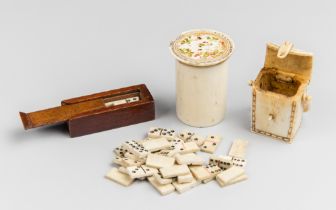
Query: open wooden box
(97,112)
(279,92)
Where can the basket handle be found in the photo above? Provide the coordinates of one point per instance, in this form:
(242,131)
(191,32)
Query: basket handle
(284,49)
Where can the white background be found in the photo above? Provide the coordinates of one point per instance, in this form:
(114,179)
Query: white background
(54,50)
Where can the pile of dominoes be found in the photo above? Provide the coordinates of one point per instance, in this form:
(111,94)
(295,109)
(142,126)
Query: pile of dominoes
(168,160)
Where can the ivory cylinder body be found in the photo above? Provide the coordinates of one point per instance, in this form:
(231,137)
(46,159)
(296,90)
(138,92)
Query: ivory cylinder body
(201,93)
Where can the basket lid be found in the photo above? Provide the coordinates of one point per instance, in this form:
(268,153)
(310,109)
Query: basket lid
(202,47)
(289,60)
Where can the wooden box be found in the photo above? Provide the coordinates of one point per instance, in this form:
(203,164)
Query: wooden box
(279,92)
(97,112)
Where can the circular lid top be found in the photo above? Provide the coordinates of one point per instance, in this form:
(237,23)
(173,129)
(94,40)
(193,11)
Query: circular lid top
(202,47)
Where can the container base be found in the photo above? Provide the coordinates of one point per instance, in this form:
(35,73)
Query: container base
(197,125)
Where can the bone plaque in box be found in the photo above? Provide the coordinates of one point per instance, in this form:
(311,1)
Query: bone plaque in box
(279,92)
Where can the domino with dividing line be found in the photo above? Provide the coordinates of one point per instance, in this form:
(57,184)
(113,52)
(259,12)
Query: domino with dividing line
(136,148)
(213,170)
(155,132)
(140,171)
(224,162)
(239,162)
(131,162)
(188,136)
(122,101)
(120,151)
(177,145)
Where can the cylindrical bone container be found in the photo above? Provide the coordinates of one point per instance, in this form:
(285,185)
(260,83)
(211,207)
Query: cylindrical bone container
(201,76)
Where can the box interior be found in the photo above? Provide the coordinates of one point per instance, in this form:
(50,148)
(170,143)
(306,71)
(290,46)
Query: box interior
(279,83)
(118,99)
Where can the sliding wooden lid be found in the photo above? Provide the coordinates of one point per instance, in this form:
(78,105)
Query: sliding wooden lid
(58,114)
(293,61)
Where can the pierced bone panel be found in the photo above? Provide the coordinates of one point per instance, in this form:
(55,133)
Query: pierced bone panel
(279,83)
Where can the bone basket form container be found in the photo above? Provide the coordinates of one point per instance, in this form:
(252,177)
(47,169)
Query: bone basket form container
(279,93)
(201,76)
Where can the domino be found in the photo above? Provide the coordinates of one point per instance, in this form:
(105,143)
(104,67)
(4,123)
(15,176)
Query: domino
(185,178)
(234,181)
(238,148)
(189,159)
(115,103)
(168,133)
(143,140)
(213,170)
(176,144)
(223,162)
(115,175)
(131,162)
(140,171)
(200,172)
(167,153)
(181,188)
(122,101)
(119,161)
(130,155)
(154,132)
(210,144)
(198,139)
(230,174)
(186,135)
(174,171)
(159,161)
(163,189)
(189,147)
(239,162)
(161,132)
(132,99)
(161,180)
(156,144)
(136,148)
(120,151)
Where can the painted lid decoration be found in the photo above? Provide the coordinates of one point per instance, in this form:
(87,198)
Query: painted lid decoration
(202,47)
